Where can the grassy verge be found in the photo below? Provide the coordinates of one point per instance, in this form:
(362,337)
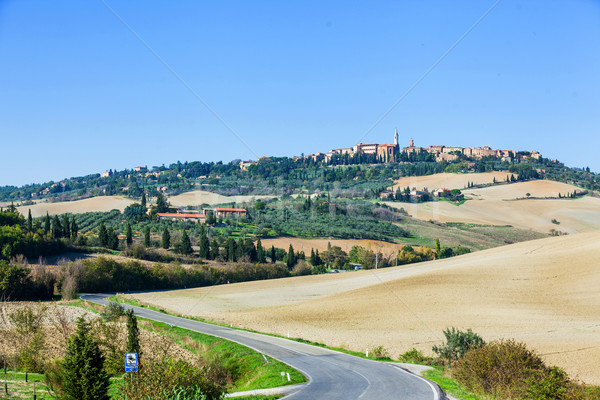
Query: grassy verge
(450,386)
(249,368)
(13,385)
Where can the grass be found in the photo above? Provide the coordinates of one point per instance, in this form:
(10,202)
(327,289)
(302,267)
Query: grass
(14,381)
(248,367)
(439,375)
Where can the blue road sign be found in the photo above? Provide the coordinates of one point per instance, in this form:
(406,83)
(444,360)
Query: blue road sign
(131,362)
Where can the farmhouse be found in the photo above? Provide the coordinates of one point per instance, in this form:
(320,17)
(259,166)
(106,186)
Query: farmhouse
(182,217)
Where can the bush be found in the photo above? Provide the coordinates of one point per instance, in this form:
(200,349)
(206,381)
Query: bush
(507,369)
(457,344)
(112,311)
(415,356)
(380,353)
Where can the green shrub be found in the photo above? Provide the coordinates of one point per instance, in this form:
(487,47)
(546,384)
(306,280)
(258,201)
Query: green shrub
(112,311)
(458,343)
(415,356)
(380,353)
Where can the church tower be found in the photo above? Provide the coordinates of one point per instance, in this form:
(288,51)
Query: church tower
(396,138)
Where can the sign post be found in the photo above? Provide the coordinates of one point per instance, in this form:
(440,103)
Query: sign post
(131,362)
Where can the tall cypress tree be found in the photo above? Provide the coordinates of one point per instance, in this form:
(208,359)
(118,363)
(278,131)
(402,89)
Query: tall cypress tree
(204,251)
(214,249)
(47,223)
(166,239)
(147,237)
(84,377)
(291,257)
(260,252)
(185,247)
(103,235)
(273,255)
(133,333)
(57,230)
(128,235)
(74,229)
(144,201)
(29,221)
(66,224)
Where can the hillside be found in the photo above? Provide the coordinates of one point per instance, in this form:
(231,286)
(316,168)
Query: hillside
(199,197)
(542,292)
(449,180)
(498,205)
(101,203)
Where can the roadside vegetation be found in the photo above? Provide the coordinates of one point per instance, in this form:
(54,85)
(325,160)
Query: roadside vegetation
(174,362)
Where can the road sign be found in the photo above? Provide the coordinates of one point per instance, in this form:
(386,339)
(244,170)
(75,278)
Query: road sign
(131,362)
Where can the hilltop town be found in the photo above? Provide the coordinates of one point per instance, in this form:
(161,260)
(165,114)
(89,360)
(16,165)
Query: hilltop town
(392,152)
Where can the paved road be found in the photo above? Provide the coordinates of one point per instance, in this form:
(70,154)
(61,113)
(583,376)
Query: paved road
(332,375)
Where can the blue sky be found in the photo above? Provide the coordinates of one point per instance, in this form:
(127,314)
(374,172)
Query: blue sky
(80,93)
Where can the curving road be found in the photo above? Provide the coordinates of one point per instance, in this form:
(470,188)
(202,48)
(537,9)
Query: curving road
(332,375)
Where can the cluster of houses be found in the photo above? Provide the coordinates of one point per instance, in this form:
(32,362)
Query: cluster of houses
(218,212)
(389,152)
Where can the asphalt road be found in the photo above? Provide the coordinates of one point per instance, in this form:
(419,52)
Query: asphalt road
(332,375)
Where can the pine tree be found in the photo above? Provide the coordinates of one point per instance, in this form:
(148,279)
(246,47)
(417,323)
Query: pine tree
(166,239)
(185,246)
(47,223)
(204,245)
(84,377)
(147,237)
(128,235)
(133,333)
(273,255)
(29,221)
(161,204)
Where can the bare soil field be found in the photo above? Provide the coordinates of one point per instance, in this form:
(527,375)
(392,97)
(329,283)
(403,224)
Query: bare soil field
(449,181)
(542,292)
(101,203)
(497,205)
(320,244)
(199,197)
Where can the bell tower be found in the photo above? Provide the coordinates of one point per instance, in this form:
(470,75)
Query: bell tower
(396,138)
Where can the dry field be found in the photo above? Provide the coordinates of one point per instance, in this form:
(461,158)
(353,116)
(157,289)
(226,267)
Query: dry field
(543,292)
(199,197)
(306,245)
(496,205)
(101,203)
(449,181)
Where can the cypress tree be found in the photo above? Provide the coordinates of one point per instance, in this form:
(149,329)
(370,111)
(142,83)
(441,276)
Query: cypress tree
(66,224)
(133,333)
(103,235)
(185,247)
(57,230)
(29,221)
(273,255)
(74,229)
(84,377)
(204,251)
(214,249)
(317,258)
(113,239)
(231,250)
(166,239)
(313,258)
(291,257)
(47,223)
(144,201)
(260,252)
(147,237)
(128,235)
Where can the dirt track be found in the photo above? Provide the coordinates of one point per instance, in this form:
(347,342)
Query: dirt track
(542,292)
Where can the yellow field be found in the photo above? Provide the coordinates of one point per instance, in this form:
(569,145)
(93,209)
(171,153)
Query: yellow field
(449,181)
(101,203)
(496,205)
(199,197)
(542,292)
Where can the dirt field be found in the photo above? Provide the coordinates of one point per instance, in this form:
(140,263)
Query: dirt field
(321,244)
(199,197)
(449,181)
(543,292)
(493,205)
(102,203)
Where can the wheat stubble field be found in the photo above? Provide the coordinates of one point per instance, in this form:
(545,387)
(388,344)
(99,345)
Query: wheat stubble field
(543,292)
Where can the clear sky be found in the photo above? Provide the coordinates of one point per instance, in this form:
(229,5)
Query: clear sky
(81,93)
